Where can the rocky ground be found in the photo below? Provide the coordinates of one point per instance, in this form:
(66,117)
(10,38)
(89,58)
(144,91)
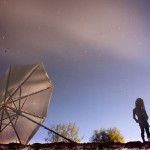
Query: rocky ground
(77,146)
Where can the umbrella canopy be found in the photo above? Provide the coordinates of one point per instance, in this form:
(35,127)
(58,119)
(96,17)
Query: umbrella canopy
(25,93)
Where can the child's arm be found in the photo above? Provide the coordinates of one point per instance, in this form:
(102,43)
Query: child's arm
(134,117)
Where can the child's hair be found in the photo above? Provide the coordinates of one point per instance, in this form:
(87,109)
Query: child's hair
(139,103)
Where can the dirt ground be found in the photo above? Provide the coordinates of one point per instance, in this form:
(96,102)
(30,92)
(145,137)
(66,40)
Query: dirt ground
(76,146)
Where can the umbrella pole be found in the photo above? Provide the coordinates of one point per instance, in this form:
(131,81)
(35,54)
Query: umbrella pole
(48,129)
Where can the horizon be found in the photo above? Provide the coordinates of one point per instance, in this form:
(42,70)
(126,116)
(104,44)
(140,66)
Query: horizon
(96,53)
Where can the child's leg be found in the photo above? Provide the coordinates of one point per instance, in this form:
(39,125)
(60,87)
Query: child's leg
(147,129)
(142,132)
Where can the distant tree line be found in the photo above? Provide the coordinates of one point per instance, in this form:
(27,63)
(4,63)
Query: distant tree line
(71,131)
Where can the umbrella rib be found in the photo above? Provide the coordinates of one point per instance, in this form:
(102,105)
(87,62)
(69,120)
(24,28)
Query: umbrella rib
(17,99)
(31,114)
(12,100)
(16,120)
(24,80)
(47,128)
(31,94)
(7,117)
(22,111)
(20,96)
(24,102)
(1,119)
(13,126)
(5,126)
(7,85)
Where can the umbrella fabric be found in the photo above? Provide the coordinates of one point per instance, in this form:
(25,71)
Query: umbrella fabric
(25,92)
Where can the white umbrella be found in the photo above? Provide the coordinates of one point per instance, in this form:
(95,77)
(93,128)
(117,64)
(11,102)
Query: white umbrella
(25,93)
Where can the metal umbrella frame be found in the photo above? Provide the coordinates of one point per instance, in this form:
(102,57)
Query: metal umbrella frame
(16,114)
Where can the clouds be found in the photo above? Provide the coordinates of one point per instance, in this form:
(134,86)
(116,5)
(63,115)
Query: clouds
(52,27)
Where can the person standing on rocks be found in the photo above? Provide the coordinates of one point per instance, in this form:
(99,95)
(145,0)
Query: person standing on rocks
(141,117)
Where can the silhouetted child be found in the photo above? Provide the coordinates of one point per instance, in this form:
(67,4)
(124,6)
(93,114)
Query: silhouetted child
(142,118)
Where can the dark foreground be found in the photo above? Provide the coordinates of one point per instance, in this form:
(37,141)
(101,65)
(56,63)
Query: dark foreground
(76,146)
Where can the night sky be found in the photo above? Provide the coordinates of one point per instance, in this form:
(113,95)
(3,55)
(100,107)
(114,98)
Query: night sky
(96,53)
